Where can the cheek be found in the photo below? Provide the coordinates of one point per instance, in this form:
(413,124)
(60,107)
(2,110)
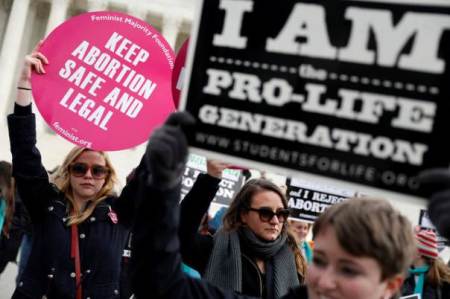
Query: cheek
(360,288)
(72,181)
(311,275)
(99,184)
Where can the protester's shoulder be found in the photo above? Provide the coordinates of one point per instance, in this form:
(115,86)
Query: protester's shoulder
(201,289)
(299,292)
(446,288)
(110,200)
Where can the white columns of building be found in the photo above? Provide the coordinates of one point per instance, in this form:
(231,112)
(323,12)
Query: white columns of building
(58,14)
(137,9)
(170,28)
(97,5)
(9,55)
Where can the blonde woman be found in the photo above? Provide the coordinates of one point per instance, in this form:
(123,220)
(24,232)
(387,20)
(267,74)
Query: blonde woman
(79,226)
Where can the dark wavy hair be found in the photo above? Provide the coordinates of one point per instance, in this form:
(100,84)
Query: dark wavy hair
(7,189)
(242,201)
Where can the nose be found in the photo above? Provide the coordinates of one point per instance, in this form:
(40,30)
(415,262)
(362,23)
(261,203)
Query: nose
(274,220)
(88,173)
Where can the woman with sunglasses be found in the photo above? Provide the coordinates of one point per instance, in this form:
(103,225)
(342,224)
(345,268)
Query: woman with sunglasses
(253,254)
(79,226)
(363,247)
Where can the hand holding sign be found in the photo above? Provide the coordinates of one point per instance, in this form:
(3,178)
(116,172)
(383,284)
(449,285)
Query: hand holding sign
(215,168)
(32,62)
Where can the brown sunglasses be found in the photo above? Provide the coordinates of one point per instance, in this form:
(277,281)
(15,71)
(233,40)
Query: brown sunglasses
(80,169)
(266,214)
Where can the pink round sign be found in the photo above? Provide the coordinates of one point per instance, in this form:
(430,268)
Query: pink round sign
(178,73)
(108,81)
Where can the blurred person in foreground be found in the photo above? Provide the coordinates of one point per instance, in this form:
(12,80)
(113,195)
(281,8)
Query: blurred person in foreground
(372,266)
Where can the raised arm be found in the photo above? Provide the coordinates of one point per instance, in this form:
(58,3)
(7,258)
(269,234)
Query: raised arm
(156,261)
(31,176)
(196,248)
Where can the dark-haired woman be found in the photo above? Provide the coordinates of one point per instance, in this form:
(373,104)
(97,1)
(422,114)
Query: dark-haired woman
(253,254)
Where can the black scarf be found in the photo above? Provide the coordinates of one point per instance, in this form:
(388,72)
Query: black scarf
(224,267)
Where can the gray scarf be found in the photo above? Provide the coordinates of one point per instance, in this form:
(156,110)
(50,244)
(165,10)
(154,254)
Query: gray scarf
(224,267)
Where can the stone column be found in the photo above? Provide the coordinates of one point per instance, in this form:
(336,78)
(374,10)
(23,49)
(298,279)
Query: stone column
(170,29)
(97,5)
(9,55)
(137,9)
(58,13)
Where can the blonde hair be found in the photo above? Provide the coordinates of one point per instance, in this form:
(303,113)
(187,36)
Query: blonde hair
(438,273)
(62,181)
(242,201)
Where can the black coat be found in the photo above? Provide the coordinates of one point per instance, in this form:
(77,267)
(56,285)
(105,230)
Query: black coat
(429,292)
(156,259)
(50,268)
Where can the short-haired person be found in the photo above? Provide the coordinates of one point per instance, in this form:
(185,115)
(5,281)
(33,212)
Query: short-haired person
(363,247)
(253,253)
(429,276)
(79,226)
(301,230)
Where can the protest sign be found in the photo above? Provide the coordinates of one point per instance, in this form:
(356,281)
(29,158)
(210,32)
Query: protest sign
(425,223)
(230,184)
(178,74)
(108,81)
(307,200)
(353,90)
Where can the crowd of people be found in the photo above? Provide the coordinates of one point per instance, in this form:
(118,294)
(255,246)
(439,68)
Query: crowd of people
(76,229)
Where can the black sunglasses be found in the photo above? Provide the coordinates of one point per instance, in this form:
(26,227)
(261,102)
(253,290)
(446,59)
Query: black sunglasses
(266,214)
(80,169)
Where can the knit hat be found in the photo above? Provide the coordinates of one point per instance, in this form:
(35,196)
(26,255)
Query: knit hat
(427,244)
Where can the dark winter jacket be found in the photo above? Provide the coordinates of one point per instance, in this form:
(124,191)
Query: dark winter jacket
(429,292)
(50,269)
(156,259)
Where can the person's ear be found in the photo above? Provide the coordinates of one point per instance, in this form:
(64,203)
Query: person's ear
(393,285)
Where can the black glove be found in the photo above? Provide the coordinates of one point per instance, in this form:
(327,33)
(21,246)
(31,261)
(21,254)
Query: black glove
(167,150)
(435,183)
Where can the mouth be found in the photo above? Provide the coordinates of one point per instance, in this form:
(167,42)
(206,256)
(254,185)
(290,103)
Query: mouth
(87,185)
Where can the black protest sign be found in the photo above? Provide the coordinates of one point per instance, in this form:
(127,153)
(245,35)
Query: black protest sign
(232,180)
(353,90)
(306,200)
